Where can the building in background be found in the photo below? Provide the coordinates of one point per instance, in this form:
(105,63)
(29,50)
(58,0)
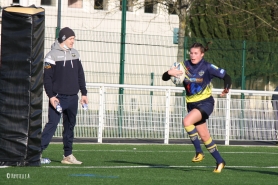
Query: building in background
(105,15)
(149,49)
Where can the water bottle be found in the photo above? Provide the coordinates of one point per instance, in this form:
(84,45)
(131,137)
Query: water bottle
(45,161)
(85,106)
(58,107)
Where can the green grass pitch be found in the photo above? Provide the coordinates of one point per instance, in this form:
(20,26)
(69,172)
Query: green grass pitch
(134,164)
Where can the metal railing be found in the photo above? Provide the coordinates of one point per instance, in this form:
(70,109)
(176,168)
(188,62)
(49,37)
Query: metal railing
(156,112)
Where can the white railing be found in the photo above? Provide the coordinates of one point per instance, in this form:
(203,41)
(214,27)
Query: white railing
(156,112)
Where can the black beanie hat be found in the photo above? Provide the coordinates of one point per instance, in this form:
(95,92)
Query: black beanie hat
(64,34)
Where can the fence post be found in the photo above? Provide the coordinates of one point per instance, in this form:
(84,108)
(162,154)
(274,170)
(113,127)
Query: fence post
(58,20)
(243,69)
(122,66)
(167,117)
(100,113)
(228,119)
(151,98)
(184,48)
(242,86)
(183,108)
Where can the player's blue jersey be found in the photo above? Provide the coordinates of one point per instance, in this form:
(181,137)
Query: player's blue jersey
(198,78)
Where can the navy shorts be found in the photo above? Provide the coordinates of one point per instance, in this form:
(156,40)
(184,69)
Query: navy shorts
(204,106)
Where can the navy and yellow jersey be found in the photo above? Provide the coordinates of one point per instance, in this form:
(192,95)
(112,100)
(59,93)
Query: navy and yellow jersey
(198,78)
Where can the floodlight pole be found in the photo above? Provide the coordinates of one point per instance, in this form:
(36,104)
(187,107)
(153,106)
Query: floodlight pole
(58,20)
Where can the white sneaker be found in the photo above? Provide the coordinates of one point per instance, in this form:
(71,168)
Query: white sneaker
(70,160)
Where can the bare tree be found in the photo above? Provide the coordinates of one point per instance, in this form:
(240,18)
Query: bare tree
(182,8)
(179,7)
(250,15)
(270,5)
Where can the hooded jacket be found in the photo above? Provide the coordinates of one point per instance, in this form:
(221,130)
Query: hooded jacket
(63,72)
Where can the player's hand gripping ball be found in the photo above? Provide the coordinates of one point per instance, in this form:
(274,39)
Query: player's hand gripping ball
(180,78)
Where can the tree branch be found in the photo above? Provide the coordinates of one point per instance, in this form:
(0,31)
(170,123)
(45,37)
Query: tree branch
(251,13)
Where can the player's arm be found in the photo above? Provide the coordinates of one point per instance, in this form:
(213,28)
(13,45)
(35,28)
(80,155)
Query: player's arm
(171,72)
(227,84)
(222,74)
(166,76)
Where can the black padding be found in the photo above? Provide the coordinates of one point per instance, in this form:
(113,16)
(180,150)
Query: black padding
(21,86)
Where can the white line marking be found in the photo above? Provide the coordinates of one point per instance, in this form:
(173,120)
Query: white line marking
(4,166)
(132,150)
(147,166)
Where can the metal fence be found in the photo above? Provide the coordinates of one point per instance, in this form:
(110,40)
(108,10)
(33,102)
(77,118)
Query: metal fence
(156,112)
(252,65)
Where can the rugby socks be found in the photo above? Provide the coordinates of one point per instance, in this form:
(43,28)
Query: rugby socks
(212,148)
(193,135)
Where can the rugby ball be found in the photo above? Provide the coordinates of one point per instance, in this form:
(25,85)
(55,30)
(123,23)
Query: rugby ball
(178,80)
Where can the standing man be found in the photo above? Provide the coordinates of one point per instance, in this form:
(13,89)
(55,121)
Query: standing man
(63,78)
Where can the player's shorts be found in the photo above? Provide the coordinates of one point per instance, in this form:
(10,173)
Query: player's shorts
(204,106)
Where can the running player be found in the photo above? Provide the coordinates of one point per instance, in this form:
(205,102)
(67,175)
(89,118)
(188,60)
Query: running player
(200,102)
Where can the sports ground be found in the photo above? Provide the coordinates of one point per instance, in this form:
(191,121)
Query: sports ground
(150,164)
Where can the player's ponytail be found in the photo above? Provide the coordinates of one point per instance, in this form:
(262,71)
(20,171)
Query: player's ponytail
(206,48)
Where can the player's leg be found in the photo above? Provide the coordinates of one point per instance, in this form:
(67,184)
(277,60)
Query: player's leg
(192,117)
(211,146)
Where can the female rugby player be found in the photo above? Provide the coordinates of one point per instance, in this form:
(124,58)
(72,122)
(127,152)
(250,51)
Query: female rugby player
(200,102)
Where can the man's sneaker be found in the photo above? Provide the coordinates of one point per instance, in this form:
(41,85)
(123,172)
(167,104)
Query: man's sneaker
(219,167)
(70,160)
(198,157)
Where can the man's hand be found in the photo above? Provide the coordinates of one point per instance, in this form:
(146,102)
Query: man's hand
(84,100)
(53,100)
(224,92)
